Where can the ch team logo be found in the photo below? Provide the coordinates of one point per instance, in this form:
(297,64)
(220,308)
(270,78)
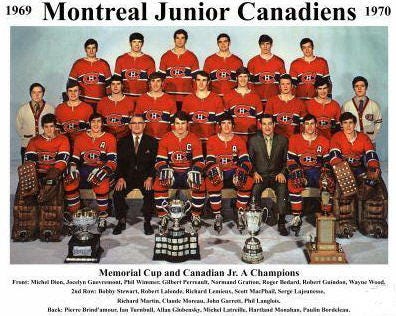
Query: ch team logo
(177,72)
(46,157)
(309,160)
(266,77)
(353,160)
(223,74)
(308,77)
(91,156)
(114,120)
(91,78)
(324,122)
(369,117)
(200,117)
(242,110)
(284,118)
(153,116)
(132,74)
(71,126)
(178,157)
(225,161)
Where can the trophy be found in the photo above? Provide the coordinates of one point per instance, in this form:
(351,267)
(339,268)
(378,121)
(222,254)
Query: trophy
(252,251)
(175,244)
(324,248)
(84,246)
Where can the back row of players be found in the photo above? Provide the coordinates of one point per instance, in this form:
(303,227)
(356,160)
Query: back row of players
(244,107)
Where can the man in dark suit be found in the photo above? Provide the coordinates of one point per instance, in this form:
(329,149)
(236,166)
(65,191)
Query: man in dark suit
(135,169)
(268,153)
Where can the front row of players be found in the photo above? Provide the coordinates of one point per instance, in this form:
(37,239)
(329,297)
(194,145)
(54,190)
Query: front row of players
(287,166)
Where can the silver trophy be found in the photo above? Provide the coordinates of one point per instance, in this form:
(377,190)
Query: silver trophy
(175,244)
(252,251)
(84,246)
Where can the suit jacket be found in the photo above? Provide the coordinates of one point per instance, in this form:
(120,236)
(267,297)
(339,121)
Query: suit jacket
(262,163)
(131,165)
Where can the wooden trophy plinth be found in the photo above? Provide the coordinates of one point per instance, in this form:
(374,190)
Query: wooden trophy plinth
(325,249)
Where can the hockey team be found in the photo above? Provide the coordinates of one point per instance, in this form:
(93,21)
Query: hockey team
(179,127)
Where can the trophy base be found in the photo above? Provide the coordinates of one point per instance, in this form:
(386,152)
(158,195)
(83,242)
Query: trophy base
(176,246)
(84,251)
(252,252)
(330,256)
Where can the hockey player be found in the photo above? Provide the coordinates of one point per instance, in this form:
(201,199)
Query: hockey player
(179,164)
(244,105)
(92,166)
(308,165)
(227,164)
(41,207)
(179,66)
(265,69)
(73,114)
(135,67)
(326,110)
(156,107)
(221,66)
(117,109)
(306,69)
(203,107)
(286,109)
(356,148)
(91,73)
(367,111)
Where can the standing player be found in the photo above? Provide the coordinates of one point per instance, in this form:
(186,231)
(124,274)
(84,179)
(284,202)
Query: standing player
(180,164)
(308,165)
(306,69)
(92,166)
(49,154)
(244,105)
(326,110)
(286,109)
(117,109)
(222,65)
(366,110)
(179,66)
(266,68)
(91,73)
(135,67)
(156,107)
(227,164)
(203,107)
(73,114)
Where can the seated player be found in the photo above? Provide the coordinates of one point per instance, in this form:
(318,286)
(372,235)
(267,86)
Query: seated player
(286,108)
(92,166)
(203,107)
(326,110)
(268,153)
(179,165)
(73,114)
(244,105)
(227,164)
(116,108)
(307,162)
(39,197)
(156,107)
(357,149)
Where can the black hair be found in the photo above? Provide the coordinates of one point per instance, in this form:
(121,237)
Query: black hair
(202,73)
(266,115)
(226,116)
(181,115)
(309,117)
(71,84)
(265,38)
(136,36)
(95,116)
(180,31)
(347,116)
(359,78)
(91,41)
(286,76)
(306,40)
(35,85)
(223,35)
(48,118)
(115,78)
(156,75)
(320,81)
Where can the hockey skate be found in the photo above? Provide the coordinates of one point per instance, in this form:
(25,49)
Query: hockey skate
(218,223)
(296,224)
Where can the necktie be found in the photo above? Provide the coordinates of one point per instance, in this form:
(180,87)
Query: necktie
(136,144)
(361,106)
(36,106)
(269,145)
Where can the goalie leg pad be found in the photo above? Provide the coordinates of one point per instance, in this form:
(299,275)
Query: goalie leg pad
(345,213)
(51,222)
(25,218)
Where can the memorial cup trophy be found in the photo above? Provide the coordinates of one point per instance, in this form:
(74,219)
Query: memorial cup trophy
(324,249)
(84,246)
(252,251)
(175,244)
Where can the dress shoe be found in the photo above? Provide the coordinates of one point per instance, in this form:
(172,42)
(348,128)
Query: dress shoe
(121,225)
(148,229)
(282,229)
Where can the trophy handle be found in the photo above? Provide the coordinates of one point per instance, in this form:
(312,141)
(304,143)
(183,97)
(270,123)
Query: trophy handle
(189,204)
(165,205)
